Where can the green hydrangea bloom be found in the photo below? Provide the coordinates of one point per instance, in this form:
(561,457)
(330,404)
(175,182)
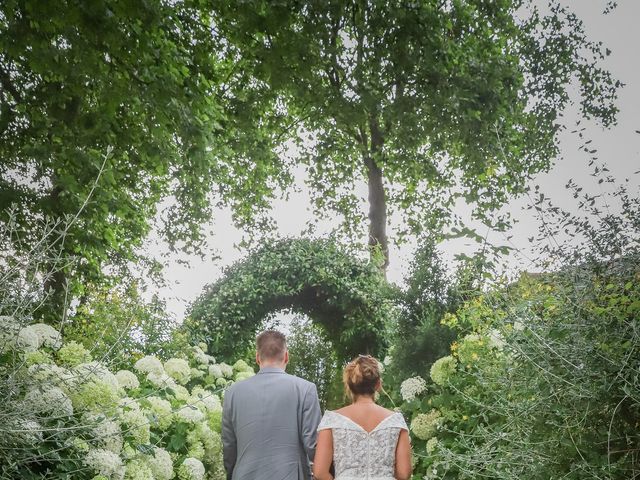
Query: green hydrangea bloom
(73,354)
(425,425)
(138,469)
(178,369)
(38,357)
(214,419)
(242,366)
(95,396)
(243,375)
(191,469)
(135,424)
(432,444)
(442,369)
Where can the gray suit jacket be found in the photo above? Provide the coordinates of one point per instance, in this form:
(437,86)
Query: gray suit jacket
(269,424)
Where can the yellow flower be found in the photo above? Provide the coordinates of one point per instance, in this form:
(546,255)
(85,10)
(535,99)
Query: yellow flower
(465,417)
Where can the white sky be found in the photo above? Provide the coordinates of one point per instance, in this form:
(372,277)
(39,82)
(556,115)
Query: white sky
(618,147)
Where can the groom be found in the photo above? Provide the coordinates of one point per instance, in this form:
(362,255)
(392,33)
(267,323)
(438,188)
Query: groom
(269,421)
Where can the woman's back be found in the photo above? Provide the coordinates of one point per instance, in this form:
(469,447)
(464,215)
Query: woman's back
(364,447)
(363,440)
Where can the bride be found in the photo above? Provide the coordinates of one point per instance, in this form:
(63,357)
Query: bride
(363,440)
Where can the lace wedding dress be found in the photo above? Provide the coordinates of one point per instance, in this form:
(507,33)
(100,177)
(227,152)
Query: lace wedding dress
(362,455)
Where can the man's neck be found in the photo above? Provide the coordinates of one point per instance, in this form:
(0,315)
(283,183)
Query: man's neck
(279,366)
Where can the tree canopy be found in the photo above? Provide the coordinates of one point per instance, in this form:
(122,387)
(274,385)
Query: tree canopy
(428,101)
(105,109)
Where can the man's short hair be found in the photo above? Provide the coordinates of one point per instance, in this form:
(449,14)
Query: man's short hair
(271,345)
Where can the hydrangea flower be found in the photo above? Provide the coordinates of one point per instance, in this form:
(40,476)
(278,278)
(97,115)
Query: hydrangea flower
(215,371)
(200,356)
(209,401)
(49,401)
(432,444)
(149,364)
(190,414)
(496,340)
(107,434)
(425,425)
(196,450)
(27,340)
(97,372)
(227,370)
(222,382)
(27,431)
(161,380)
(135,423)
(242,366)
(243,375)
(105,463)
(412,387)
(73,354)
(127,379)
(196,373)
(47,335)
(214,420)
(212,443)
(46,374)
(191,469)
(128,403)
(180,393)
(162,464)
(39,357)
(138,469)
(95,396)
(442,369)
(161,411)
(178,369)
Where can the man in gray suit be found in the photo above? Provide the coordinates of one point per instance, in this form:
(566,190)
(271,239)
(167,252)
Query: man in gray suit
(269,421)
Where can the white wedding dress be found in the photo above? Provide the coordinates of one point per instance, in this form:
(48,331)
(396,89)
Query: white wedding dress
(362,455)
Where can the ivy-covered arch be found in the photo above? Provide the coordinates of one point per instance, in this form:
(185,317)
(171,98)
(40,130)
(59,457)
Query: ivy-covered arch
(346,296)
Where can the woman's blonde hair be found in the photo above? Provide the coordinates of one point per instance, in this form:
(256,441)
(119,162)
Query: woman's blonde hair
(361,376)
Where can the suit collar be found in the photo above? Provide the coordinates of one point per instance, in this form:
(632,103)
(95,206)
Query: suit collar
(271,370)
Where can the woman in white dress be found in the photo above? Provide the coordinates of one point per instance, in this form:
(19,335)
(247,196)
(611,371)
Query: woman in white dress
(364,441)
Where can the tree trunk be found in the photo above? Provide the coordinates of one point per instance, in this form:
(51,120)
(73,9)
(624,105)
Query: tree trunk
(53,310)
(377,198)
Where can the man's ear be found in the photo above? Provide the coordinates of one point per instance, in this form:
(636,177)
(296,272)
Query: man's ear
(257,359)
(286,357)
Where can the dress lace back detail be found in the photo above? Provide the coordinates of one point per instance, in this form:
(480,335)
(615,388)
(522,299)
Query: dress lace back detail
(362,455)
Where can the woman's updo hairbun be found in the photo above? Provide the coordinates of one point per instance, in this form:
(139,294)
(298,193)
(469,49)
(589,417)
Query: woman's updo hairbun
(361,375)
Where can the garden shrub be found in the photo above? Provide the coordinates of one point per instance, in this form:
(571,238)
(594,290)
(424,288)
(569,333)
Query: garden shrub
(65,414)
(543,383)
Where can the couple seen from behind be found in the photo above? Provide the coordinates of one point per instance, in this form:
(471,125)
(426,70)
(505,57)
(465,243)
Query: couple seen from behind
(272,428)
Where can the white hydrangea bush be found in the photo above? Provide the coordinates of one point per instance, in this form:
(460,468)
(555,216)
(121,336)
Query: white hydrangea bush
(159,420)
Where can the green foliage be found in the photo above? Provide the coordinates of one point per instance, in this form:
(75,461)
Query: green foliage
(121,326)
(420,338)
(313,357)
(346,296)
(428,101)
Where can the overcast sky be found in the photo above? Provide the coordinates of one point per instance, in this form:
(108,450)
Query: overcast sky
(619,147)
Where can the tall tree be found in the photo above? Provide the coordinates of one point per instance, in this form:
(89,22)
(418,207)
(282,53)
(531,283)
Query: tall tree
(140,79)
(428,101)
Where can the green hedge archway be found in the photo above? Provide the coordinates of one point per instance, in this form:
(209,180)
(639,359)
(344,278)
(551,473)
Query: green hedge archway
(347,296)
